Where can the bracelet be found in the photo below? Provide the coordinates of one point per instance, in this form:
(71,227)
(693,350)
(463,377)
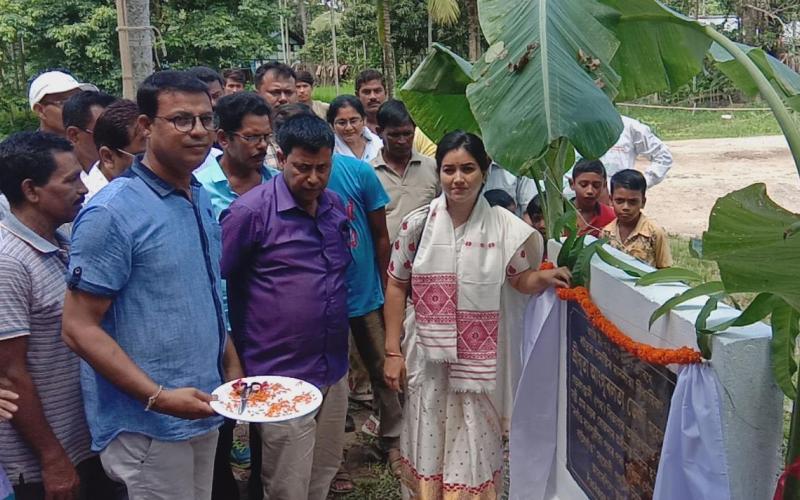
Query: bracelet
(152,399)
(390,354)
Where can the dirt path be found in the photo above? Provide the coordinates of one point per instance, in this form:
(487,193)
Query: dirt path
(706,169)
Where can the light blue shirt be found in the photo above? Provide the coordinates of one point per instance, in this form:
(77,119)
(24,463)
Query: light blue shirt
(216,183)
(361,192)
(155,253)
(219,189)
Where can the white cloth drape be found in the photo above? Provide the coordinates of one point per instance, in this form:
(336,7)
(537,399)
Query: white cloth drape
(693,464)
(534,424)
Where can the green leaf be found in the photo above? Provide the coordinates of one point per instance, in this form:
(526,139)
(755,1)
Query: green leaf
(669,275)
(696,248)
(660,49)
(435,94)
(709,288)
(582,270)
(745,237)
(566,248)
(703,337)
(759,308)
(568,221)
(609,259)
(785,80)
(576,249)
(532,86)
(784,334)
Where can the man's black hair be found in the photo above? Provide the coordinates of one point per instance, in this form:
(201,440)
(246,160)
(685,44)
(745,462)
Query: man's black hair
(588,166)
(304,131)
(393,113)
(498,197)
(231,109)
(368,75)
(235,74)
(629,179)
(112,129)
(206,75)
(344,101)
(280,69)
(469,142)
(166,81)
(77,110)
(534,208)
(305,77)
(28,155)
(288,110)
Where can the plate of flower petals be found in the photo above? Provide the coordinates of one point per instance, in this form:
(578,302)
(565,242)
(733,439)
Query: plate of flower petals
(266,399)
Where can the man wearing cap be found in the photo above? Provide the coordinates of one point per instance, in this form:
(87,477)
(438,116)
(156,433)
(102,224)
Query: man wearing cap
(47,95)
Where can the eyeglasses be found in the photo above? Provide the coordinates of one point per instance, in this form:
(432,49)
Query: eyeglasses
(186,123)
(125,153)
(353,122)
(254,139)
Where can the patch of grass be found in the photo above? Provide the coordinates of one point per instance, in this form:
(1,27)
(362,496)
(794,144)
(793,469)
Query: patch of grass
(678,124)
(326,93)
(378,483)
(681,257)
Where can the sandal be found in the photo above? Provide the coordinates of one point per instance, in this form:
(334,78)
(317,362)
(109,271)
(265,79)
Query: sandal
(394,459)
(342,483)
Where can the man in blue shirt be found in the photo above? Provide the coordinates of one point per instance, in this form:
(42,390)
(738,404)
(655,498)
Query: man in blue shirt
(143,307)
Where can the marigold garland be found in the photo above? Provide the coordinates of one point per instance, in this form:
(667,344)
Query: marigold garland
(657,356)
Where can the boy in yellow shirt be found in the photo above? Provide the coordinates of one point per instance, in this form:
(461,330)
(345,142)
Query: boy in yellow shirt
(633,232)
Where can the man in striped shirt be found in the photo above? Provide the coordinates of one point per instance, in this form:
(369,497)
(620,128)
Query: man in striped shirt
(44,448)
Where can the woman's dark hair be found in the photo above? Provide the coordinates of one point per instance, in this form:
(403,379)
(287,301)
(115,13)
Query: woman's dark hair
(458,139)
(344,101)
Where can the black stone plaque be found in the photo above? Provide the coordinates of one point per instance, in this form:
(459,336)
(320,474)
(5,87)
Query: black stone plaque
(617,407)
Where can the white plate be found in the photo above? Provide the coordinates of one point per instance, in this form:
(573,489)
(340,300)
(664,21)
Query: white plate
(286,398)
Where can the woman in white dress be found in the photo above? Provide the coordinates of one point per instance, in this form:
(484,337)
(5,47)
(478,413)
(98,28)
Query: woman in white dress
(467,266)
(353,138)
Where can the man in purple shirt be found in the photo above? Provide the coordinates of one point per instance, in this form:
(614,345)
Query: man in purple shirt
(285,255)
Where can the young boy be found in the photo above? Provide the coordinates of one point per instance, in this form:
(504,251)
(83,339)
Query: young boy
(588,181)
(633,232)
(534,216)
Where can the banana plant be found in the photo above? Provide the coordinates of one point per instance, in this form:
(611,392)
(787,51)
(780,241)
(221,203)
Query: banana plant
(547,84)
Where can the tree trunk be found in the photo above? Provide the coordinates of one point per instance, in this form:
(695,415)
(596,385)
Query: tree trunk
(301,11)
(23,78)
(385,37)
(474,29)
(135,44)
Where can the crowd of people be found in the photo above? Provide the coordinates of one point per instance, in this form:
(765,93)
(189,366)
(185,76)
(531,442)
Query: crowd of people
(152,250)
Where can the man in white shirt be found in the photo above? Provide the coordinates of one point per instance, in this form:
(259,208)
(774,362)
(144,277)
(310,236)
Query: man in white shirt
(521,189)
(635,140)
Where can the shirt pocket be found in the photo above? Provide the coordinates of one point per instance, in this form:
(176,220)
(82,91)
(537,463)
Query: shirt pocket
(337,246)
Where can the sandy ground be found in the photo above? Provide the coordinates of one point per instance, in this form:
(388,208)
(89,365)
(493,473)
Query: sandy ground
(707,169)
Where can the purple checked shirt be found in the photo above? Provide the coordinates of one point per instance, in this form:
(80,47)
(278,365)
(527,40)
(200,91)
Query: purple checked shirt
(286,283)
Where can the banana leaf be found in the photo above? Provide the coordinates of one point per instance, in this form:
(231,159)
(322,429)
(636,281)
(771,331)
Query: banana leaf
(436,94)
(783,79)
(668,275)
(784,337)
(541,78)
(709,288)
(748,236)
(659,48)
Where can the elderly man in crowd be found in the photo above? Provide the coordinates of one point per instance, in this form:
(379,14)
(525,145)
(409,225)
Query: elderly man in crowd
(48,93)
(45,447)
(144,308)
(285,256)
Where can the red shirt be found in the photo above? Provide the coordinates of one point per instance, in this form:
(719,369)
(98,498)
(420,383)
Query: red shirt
(604,216)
